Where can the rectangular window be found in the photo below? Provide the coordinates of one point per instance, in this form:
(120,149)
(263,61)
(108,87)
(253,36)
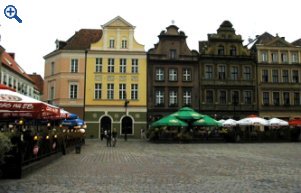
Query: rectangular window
(97,91)
(286,98)
(110,92)
(124,44)
(73,91)
(98,65)
(265,75)
(274,57)
(248,97)
(276,98)
(234,73)
(223,97)
(221,72)
(111,65)
(209,97)
(51,93)
(247,73)
(186,74)
(296,98)
(208,72)
(187,97)
(52,68)
(295,76)
(159,74)
(284,57)
(264,57)
(295,58)
(135,66)
(173,98)
(173,74)
(122,65)
(134,91)
(285,76)
(275,76)
(159,98)
(112,43)
(122,91)
(172,54)
(235,98)
(74,65)
(266,98)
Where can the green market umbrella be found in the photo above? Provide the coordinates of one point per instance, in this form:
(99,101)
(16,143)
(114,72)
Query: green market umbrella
(169,121)
(187,113)
(207,121)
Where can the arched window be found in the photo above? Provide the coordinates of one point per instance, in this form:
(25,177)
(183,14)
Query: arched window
(220,50)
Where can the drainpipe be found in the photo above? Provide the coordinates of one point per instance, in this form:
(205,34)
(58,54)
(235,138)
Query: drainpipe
(85,76)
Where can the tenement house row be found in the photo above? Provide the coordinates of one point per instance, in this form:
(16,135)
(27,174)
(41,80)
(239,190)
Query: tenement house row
(108,78)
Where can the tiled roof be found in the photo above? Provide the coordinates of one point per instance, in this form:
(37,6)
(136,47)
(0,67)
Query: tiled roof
(82,39)
(10,63)
(297,42)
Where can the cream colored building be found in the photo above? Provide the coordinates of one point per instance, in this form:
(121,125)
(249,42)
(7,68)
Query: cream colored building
(279,76)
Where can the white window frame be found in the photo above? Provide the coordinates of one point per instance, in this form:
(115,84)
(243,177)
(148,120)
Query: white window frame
(110,91)
(172,74)
(98,64)
(97,91)
(111,62)
(122,65)
(73,94)
(74,65)
(135,69)
(173,98)
(111,43)
(159,97)
(122,91)
(160,74)
(187,97)
(134,91)
(187,74)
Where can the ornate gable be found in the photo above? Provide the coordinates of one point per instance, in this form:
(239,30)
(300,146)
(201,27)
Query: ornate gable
(118,22)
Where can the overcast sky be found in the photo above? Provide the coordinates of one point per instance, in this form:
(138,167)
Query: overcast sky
(44,21)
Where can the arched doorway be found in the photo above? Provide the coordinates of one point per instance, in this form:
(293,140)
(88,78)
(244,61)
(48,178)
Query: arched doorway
(127,125)
(105,124)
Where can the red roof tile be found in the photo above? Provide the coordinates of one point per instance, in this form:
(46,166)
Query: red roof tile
(82,39)
(10,63)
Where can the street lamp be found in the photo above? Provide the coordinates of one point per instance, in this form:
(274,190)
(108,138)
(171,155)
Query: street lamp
(235,103)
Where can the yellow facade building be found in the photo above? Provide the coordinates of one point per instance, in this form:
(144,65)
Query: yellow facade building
(115,83)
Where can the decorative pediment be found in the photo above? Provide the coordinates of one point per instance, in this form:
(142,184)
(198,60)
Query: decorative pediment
(118,22)
(279,42)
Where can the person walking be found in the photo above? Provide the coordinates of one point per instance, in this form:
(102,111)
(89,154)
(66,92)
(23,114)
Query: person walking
(114,137)
(108,137)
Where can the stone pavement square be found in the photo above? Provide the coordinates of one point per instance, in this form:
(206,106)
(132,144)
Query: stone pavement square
(141,167)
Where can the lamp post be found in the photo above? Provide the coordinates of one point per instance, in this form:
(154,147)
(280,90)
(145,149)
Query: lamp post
(235,103)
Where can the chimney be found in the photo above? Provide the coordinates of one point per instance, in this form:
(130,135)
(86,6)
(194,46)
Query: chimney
(12,55)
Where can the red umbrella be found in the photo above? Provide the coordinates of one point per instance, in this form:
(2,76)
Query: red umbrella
(295,122)
(16,104)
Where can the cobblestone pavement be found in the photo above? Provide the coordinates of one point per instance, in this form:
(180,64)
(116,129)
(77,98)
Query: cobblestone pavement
(142,167)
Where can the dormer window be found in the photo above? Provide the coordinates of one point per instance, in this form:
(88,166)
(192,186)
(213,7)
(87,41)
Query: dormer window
(220,50)
(124,43)
(233,51)
(112,43)
(172,54)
